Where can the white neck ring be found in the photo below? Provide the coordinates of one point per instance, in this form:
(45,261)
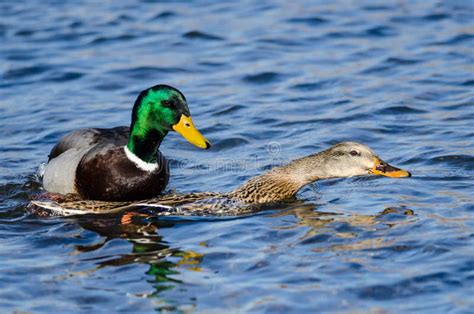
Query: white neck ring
(143,165)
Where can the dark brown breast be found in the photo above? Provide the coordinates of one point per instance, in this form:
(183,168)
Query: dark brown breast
(105,173)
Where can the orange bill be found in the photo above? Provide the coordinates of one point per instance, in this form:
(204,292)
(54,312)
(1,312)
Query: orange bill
(186,128)
(381,168)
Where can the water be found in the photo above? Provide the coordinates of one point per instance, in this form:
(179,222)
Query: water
(266,81)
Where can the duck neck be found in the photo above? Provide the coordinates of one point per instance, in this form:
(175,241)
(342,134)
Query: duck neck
(308,169)
(283,182)
(144,141)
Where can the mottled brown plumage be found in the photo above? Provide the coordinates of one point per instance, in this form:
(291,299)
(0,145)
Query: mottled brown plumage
(273,186)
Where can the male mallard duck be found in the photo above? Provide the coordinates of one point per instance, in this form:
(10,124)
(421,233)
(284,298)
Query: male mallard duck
(280,184)
(122,164)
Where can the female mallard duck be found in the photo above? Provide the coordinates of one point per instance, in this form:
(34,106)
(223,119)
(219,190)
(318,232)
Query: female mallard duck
(342,160)
(122,164)
(280,184)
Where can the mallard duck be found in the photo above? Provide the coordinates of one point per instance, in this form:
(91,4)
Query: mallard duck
(342,160)
(280,184)
(122,163)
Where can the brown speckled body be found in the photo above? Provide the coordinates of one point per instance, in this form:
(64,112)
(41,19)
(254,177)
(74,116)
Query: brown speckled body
(270,187)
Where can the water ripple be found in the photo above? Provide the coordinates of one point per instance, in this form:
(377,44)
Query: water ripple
(262,78)
(201,35)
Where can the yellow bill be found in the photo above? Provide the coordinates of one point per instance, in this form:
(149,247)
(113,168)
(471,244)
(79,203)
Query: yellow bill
(381,168)
(186,128)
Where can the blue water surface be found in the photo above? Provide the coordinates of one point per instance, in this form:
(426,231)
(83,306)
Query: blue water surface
(266,82)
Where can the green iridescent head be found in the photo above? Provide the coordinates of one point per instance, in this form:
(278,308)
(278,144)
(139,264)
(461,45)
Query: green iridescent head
(158,110)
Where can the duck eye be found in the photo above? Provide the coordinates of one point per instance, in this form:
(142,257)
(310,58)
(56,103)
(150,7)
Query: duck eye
(166,103)
(354,153)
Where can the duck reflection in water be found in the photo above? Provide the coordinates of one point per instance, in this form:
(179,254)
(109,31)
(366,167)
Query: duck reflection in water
(148,247)
(164,261)
(350,227)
